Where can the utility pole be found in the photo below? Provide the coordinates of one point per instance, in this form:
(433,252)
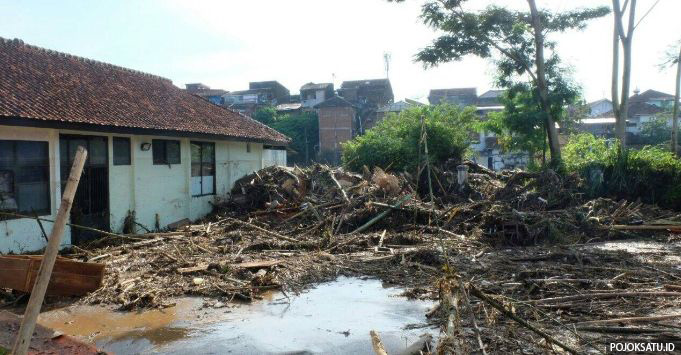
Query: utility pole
(386,60)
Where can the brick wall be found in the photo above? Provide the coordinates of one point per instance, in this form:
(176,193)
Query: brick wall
(336,125)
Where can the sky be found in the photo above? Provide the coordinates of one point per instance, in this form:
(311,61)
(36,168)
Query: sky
(225,44)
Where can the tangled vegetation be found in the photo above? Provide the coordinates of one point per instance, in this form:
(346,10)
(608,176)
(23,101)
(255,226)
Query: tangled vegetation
(652,173)
(394,142)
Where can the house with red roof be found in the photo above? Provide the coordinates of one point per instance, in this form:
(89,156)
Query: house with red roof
(157,154)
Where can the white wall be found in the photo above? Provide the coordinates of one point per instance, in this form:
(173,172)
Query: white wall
(24,235)
(272,157)
(143,187)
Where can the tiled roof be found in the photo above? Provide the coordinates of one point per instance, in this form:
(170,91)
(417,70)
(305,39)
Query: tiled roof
(42,84)
(650,95)
(458,96)
(454,92)
(636,109)
(371,82)
(491,94)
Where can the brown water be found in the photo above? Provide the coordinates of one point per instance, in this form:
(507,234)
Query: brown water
(333,318)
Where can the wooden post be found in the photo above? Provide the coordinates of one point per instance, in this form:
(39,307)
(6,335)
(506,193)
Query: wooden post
(51,250)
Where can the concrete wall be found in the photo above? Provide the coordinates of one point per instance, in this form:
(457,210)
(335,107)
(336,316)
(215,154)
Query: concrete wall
(147,189)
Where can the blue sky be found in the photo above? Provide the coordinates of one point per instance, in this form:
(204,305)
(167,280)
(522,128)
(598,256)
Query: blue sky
(226,44)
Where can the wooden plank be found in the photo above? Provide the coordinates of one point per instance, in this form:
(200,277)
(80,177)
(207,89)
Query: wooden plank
(259,264)
(187,270)
(69,277)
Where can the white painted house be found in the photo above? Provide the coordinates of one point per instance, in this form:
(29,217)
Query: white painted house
(154,150)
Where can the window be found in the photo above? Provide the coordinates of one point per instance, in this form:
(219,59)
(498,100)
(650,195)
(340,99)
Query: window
(121,151)
(165,152)
(203,168)
(248,147)
(24,177)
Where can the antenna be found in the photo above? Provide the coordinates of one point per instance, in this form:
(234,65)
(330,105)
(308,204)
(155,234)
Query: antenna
(386,60)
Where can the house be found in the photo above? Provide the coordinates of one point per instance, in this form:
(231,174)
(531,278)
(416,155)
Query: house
(258,95)
(204,91)
(456,96)
(375,92)
(156,153)
(312,94)
(395,107)
(491,99)
(599,107)
(338,123)
(643,107)
(367,96)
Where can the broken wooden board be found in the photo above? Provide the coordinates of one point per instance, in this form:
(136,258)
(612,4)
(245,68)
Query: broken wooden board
(188,270)
(69,277)
(258,264)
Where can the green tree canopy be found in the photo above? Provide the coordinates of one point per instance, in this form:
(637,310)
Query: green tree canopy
(394,142)
(520,126)
(302,128)
(516,39)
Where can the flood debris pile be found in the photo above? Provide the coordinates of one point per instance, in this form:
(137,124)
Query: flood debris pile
(498,250)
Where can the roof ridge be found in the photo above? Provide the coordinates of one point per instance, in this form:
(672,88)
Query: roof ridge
(20,43)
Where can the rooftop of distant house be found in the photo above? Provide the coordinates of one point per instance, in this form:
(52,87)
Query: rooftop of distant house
(313,86)
(350,84)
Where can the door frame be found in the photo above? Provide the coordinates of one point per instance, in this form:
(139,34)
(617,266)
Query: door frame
(70,136)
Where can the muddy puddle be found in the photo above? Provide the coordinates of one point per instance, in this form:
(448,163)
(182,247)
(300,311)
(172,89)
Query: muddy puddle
(332,318)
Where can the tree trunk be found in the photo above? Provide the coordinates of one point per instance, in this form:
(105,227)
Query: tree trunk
(675,112)
(616,70)
(550,123)
(626,39)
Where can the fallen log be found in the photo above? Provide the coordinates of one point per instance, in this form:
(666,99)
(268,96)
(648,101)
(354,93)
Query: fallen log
(604,295)
(647,227)
(376,343)
(630,319)
(381,215)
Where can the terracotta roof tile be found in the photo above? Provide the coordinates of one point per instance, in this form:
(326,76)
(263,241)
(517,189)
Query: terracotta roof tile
(42,84)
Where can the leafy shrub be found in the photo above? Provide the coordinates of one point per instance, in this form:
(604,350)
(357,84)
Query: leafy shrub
(394,142)
(652,173)
(584,150)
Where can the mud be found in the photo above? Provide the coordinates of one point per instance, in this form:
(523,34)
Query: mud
(332,318)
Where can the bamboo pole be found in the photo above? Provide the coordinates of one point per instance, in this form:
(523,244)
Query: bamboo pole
(51,250)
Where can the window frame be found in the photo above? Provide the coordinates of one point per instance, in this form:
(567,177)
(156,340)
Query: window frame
(19,164)
(113,151)
(191,167)
(166,159)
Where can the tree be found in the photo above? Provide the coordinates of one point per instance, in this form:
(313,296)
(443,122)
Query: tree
(266,115)
(302,128)
(519,38)
(655,131)
(675,59)
(520,125)
(620,101)
(395,141)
